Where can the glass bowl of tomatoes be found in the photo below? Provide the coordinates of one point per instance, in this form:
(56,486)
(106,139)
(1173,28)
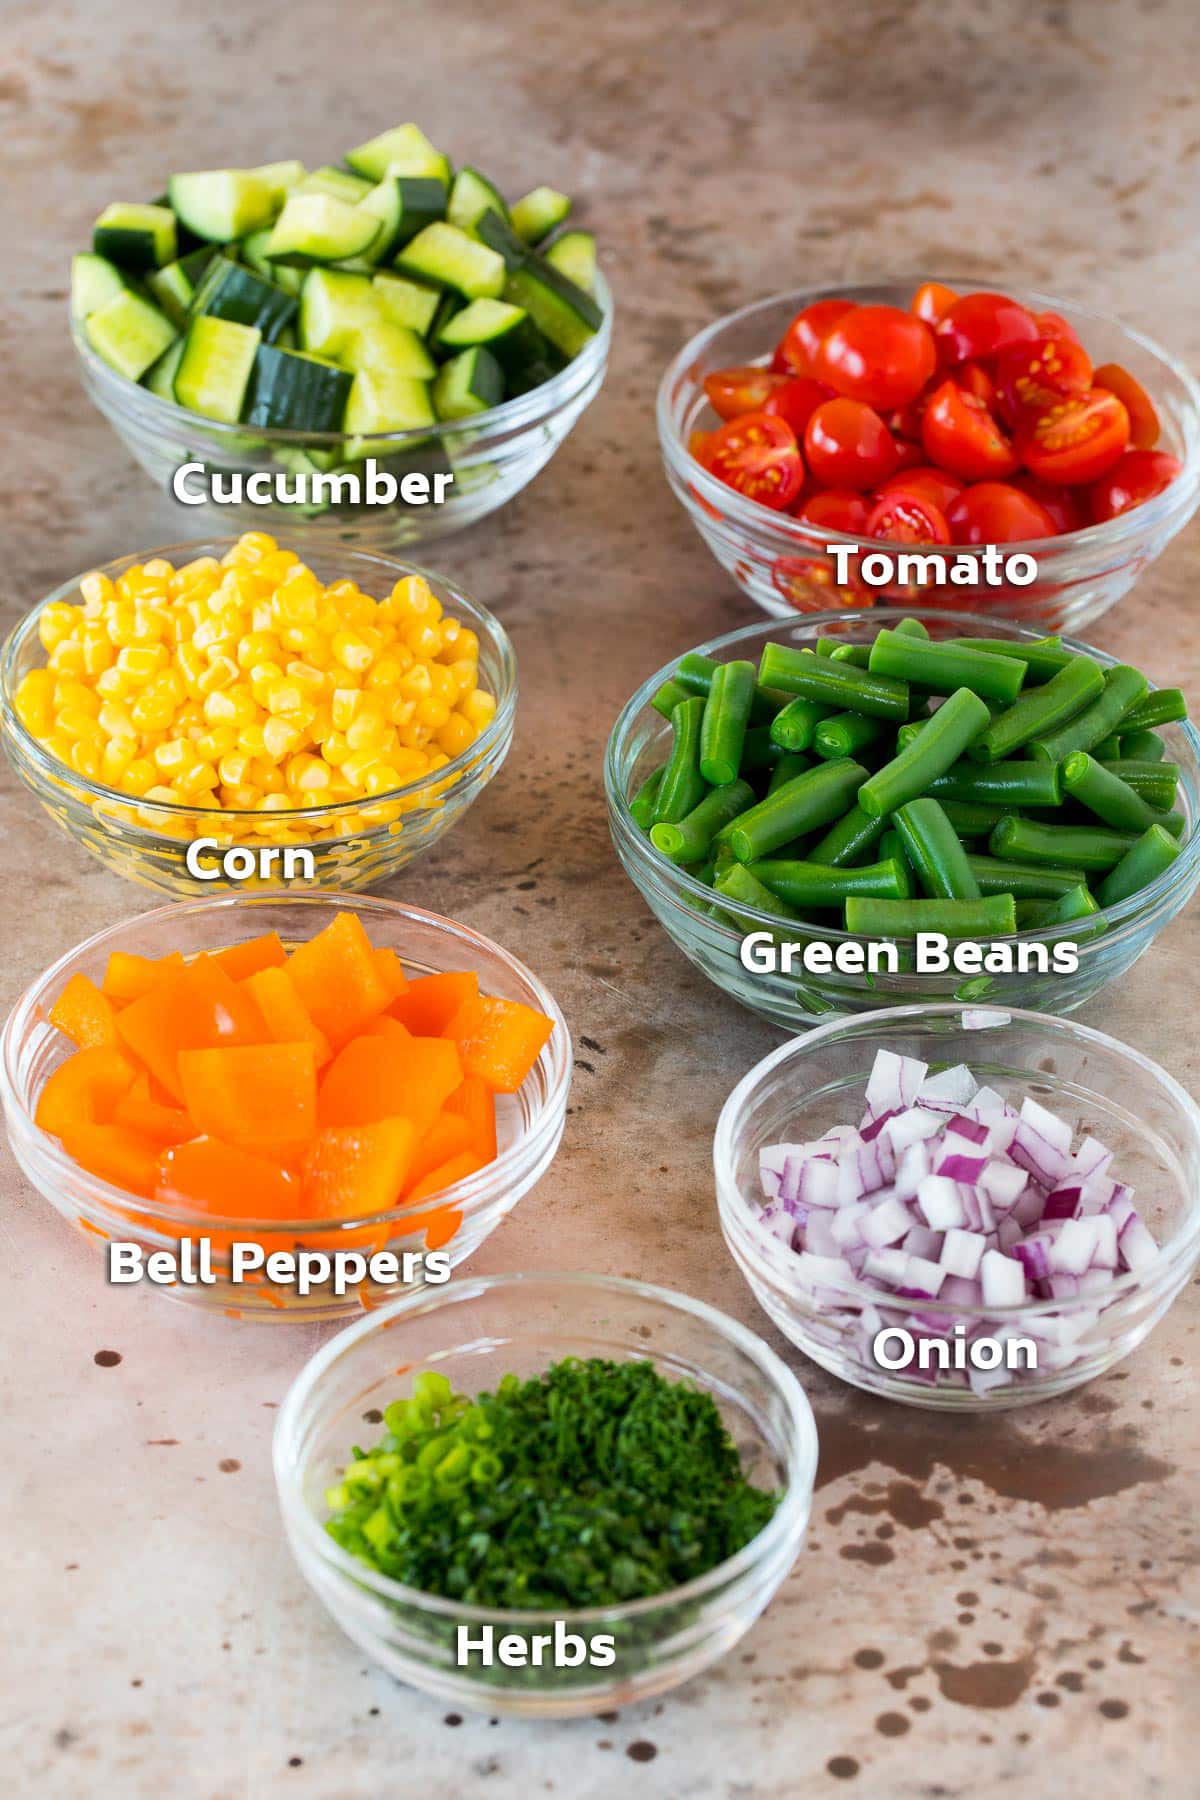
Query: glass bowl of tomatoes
(810,429)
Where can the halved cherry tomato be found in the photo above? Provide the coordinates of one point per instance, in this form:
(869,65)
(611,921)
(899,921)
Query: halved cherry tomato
(1143,418)
(1064,504)
(983,325)
(936,485)
(848,445)
(909,455)
(758,456)
(1079,438)
(960,433)
(1031,377)
(836,509)
(1137,477)
(992,512)
(732,392)
(1053,325)
(801,342)
(808,584)
(700,446)
(878,354)
(905,421)
(975,379)
(796,400)
(902,517)
(932,301)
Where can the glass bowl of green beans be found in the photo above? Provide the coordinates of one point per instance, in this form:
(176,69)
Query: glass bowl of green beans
(1037,809)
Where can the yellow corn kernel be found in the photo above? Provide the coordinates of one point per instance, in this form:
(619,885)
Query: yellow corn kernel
(139,777)
(414,736)
(112,685)
(320,725)
(189,718)
(141,662)
(465,674)
(314,681)
(263,677)
(35,700)
(115,721)
(351,652)
(243,797)
(85,760)
(259,647)
(174,756)
(212,745)
(422,638)
(198,778)
(344,706)
(96,587)
(152,712)
(478,707)
(67,657)
(401,711)
(306,641)
(233,768)
(416,683)
(365,731)
(445,687)
(116,759)
(222,672)
(56,621)
(456,735)
(285,698)
(308,777)
(386,673)
(80,725)
(266,775)
(275,802)
(335,749)
(250,738)
(279,738)
(432,712)
(356,765)
(98,652)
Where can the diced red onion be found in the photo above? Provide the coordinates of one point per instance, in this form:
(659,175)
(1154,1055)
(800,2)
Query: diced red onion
(949,1090)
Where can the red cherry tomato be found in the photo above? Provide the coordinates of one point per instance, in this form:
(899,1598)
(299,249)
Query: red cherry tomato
(932,301)
(801,342)
(732,392)
(808,584)
(975,379)
(848,445)
(1064,504)
(959,433)
(983,325)
(905,421)
(1137,477)
(1077,439)
(878,354)
(909,455)
(1143,419)
(796,400)
(905,517)
(1031,377)
(992,512)
(929,483)
(1053,325)
(757,456)
(835,509)
(700,446)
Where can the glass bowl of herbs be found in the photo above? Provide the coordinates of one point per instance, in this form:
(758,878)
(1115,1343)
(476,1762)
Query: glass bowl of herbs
(545,1494)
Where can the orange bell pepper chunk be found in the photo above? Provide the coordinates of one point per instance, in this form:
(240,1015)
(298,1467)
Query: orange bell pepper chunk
(258,1096)
(116,1154)
(456,1168)
(138,1110)
(386,1077)
(337,978)
(208,1176)
(246,959)
(475,1102)
(391,972)
(127,977)
(499,1040)
(352,1171)
(199,1007)
(449,1134)
(432,1001)
(286,1017)
(440,1226)
(84,1089)
(84,1014)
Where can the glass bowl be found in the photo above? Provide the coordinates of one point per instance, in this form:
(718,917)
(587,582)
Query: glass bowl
(354,846)
(475,1332)
(529,1123)
(1100,1085)
(780,562)
(639,743)
(492,455)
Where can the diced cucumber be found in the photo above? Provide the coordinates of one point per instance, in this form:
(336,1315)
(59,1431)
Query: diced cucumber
(222,204)
(499,236)
(229,291)
(449,304)
(287,340)
(471,196)
(404,150)
(539,213)
(574,255)
(160,377)
(129,333)
(380,402)
(251,252)
(480,322)
(561,311)
(445,253)
(524,356)
(471,383)
(333,305)
(196,262)
(135,237)
(280,177)
(405,204)
(214,370)
(172,289)
(315,228)
(406,302)
(297,392)
(390,349)
(339,184)
(94,282)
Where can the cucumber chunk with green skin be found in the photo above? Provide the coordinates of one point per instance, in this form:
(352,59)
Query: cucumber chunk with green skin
(392,349)
(333,305)
(280,177)
(172,289)
(160,378)
(499,236)
(539,213)
(449,304)
(214,370)
(404,205)
(404,150)
(471,196)
(574,255)
(229,291)
(560,309)
(220,205)
(480,322)
(315,228)
(382,402)
(135,237)
(406,301)
(524,356)
(339,184)
(297,392)
(251,250)
(444,253)
(196,262)
(129,333)
(94,282)
(471,383)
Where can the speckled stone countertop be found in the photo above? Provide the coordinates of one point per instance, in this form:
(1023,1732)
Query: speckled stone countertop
(982,1608)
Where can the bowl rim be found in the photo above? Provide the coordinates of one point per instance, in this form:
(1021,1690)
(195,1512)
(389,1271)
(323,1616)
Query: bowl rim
(864,617)
(1172,1252)
(28,749)
(463,1196)
(793,1506)
(1113,534)
(522,410)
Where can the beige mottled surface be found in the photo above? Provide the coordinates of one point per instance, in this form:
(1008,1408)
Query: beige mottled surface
(982,1608)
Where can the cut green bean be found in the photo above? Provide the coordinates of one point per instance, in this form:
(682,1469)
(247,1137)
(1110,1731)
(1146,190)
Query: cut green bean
(911,628)
(932,846)
(1004,784)
(1040,711)
(1123,688)
(1024,881)
(1154,781)
(848,841)
(695,673)
(858,654)
(1140,746)
(1043,657)
(968,819)
(794,725)
(790,765)
(1076,903)
(668,697)
(845,734)
(726,716)
(1112,800)
(759,750)
(806,884)
(1149,857)
(891,846)
(993,916)
(737,883)
(833,683)
(1087,847)
(944,668)
(642,804)
(937,749)
(813,799)
(1108,749)
(1162,706)
(682,786)
(689,840)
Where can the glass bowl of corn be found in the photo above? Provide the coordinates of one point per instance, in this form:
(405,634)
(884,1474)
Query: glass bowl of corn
(224,714)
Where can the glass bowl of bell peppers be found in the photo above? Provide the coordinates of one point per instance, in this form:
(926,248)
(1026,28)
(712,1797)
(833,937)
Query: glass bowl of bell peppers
(929,415)
(290,1074)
